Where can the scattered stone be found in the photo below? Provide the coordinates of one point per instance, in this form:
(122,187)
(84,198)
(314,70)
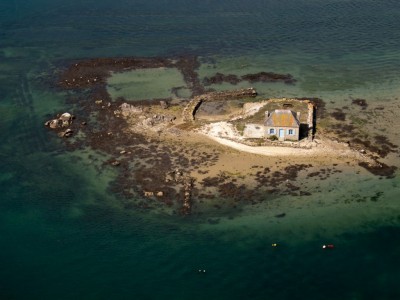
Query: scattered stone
(115,163)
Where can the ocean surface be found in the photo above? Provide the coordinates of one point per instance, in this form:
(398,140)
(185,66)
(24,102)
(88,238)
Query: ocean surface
(64,236)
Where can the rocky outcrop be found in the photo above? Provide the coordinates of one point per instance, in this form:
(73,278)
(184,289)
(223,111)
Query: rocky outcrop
(62,121)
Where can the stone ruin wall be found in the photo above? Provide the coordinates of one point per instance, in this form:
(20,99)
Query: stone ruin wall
(189,111)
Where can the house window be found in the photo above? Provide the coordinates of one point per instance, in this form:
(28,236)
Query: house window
(291,132)
(271,131)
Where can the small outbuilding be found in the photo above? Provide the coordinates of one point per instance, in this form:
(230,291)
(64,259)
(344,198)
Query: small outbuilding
(282,123)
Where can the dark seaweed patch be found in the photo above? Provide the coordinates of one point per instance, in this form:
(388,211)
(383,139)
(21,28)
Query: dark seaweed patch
(269,77)
(282,215)
(376,197)
(360,102)
(219,78)
(339,115)
(379,169)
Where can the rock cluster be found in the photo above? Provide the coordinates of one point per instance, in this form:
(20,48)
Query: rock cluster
(158,119)
(127,110)
(60,122)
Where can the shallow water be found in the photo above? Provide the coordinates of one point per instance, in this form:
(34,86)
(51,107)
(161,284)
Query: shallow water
(147,84)
(63,236)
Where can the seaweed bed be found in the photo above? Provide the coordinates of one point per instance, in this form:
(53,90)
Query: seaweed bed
(219,78)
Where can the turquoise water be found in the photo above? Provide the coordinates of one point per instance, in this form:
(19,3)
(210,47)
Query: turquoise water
(63,236)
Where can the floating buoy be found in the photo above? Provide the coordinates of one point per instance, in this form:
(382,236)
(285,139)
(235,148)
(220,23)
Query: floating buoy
(274,245)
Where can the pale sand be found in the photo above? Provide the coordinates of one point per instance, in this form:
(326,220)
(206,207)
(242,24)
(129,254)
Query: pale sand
(265,150)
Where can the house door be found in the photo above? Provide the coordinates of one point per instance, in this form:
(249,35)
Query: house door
(281,133)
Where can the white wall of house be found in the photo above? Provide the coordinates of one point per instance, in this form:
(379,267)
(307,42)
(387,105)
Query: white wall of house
(283,133)
(255,131)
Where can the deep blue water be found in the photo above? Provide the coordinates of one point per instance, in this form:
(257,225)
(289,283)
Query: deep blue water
(62,236)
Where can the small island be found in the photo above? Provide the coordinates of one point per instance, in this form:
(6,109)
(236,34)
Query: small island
(200,149)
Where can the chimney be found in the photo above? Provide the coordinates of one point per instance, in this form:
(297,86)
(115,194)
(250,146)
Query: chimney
(298,115)
(266,114)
